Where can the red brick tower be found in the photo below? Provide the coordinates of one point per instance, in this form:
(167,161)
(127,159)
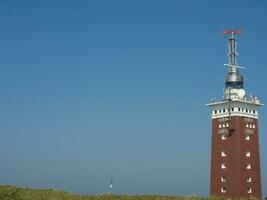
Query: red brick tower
(235,159)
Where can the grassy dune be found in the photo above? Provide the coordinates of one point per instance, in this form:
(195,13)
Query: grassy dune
(15,193)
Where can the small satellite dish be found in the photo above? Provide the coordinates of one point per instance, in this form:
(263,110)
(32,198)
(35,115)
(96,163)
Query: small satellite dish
(241,93)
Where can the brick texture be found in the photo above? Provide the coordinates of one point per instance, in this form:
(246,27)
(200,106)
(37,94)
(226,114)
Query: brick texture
(235,145)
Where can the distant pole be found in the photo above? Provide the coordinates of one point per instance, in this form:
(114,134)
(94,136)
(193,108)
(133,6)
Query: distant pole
(110,185)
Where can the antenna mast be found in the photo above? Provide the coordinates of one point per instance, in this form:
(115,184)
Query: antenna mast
(233,80)
(232,47)
(110,185)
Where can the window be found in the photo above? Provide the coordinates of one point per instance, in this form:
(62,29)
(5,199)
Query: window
(223,154)
(220,125)
(249,179)
(248,166)
(247,125)
(223,190)
(223,137)
(233,109)
(224,110)
(227,124)
(223,166)
(223,179)
(215,111)
(249,190)
(253,126)
(239,109)
(250,126)
(247,153)
(247,137)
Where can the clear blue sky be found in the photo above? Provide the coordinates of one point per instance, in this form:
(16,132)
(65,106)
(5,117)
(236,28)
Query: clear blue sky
(91,89)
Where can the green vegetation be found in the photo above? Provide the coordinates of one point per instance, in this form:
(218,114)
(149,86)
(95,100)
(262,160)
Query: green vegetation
(15,193)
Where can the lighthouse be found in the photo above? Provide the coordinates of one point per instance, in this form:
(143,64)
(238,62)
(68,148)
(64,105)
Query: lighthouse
(235,158)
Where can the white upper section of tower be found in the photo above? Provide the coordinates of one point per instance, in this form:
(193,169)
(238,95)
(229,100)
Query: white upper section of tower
(235,107)
(235,101)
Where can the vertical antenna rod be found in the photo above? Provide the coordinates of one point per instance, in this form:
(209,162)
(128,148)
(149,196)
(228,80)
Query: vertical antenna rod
(232,51)
(110,185)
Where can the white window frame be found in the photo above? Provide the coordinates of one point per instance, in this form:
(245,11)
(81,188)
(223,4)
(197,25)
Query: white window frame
(249,179)
(223,189)
(248,166)
(223,154)
(247,137)
(223,179)
(223,166)
(223,137)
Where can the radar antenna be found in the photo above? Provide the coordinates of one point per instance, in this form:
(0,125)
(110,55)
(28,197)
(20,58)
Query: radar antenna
(232,49)
(234,80)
